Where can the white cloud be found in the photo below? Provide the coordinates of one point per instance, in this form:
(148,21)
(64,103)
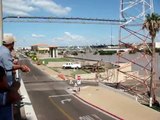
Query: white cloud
(69,37)
(10,34)
(38,36)
(25,7)
(17,7)
(51,6)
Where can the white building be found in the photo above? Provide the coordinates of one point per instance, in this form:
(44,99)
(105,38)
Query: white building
(157,44)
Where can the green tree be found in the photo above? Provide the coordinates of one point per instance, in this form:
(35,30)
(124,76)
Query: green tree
(152,25)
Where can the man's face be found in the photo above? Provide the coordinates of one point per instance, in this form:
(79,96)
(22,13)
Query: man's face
(12,46)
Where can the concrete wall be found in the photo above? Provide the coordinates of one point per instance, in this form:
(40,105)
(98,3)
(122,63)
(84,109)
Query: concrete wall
(87,62)
(111,75)
(90,76)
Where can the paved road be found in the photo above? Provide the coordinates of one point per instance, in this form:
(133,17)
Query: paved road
(52,101)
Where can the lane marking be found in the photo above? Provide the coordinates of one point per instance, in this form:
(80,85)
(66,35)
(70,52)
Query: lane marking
(35,77)
(96,116)
(60,109)
(90,117)
(60,95)
(87,117)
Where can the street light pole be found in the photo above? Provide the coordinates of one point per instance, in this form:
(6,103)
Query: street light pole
(1,22)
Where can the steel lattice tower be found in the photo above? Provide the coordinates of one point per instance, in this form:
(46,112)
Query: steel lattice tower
(132,36)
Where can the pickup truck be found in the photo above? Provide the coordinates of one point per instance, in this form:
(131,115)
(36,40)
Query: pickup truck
(71,65)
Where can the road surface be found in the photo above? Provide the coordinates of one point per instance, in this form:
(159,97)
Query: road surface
(53,100)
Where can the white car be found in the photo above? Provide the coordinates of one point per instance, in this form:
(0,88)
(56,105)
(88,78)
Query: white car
(71,65)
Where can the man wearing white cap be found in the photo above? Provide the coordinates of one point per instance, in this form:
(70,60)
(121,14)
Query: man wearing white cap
(6,62)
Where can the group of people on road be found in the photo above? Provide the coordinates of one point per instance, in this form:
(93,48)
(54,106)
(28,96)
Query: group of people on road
(9,87)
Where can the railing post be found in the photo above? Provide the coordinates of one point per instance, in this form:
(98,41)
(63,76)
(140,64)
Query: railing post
(17,76)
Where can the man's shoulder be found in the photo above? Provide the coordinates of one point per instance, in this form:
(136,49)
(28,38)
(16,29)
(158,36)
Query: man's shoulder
(3,49)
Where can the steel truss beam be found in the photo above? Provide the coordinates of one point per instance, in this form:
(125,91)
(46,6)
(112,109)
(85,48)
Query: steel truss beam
(141,88)
(79,20)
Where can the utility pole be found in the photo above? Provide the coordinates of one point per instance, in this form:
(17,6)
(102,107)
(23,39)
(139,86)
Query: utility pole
(1,22)
(111,36)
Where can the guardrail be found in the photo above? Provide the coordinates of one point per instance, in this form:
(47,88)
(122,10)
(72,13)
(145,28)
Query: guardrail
(27,110)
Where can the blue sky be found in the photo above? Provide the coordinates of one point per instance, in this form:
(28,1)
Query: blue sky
(61,34)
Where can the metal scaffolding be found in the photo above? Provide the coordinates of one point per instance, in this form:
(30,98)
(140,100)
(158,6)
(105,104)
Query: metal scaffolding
(131,36)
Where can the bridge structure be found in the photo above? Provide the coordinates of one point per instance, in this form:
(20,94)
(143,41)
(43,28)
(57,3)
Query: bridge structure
(54,19)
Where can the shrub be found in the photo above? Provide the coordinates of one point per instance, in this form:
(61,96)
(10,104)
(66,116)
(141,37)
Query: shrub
(101,52)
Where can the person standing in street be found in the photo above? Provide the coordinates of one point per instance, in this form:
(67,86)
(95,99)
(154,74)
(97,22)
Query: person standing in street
(6,61)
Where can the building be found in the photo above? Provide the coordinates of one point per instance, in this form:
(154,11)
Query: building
(157,45)
(44,49)
(53,51)
(41,48)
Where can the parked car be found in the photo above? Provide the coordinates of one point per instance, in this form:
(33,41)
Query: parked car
(71,65)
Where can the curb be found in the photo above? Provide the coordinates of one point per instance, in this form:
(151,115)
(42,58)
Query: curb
(114,116)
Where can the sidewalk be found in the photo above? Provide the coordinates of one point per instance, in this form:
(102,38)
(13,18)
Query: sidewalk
(47,70)
(117,104)
(111,101)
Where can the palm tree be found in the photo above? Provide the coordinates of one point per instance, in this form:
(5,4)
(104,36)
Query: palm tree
(152,25)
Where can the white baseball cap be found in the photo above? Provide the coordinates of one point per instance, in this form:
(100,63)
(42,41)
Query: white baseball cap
(8,39)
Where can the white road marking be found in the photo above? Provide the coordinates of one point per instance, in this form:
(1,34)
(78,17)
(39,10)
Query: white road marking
(87,117)
(35,77)
(90,117)
(97,108)
(94,115)
(60,95)
(65,100)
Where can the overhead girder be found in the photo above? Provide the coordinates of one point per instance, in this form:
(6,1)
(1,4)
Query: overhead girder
(80,20)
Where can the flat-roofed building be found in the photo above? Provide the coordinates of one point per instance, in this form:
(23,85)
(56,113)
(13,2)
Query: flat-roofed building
(44,48)
(40,47)
(157,44)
